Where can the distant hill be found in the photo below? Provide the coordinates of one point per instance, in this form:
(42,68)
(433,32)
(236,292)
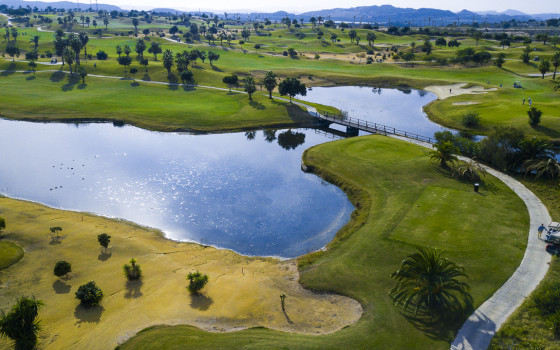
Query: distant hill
(385,14)
(67,5)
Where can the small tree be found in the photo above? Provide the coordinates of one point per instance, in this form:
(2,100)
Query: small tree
(21,324)
(213,57)
(62,268)
(144,62)
(104,240)
(231,80)
(133,70)
(102,55)
(197,281)
(2,223)
(12,50)
(500,60)
(444,153)
(55,230)
(89,294)
(292,87)
(125,61)
(155,49)
(250,87)
(132,271)
(83,73)
(534,116)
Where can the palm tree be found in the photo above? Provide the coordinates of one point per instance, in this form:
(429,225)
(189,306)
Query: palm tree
(444,153)
(269,82)
(21,324)
(555,62)
(470,170)
(428,282)
(533,149)
(249,87)
(548,167)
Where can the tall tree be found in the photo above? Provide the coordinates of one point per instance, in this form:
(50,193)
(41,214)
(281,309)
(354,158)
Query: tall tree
(21,324)
(168,61)
(68,57)
(106,22)
(14,33)
(555,60)
(269,82)
(292,87)
(250,87)
(35,41)
(32,56)
(140,47)
(84,39)
(135,24)
(428,282)
(544,66)
(118,48)
(352,34)
(477,34)
(370,36)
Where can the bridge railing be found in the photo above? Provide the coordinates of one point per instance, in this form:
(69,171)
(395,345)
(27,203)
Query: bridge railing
(372,127)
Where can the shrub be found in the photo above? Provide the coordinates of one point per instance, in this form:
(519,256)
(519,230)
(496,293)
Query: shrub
(317,56)
(370,52)
(534,116)
(197,281)
(554,321)
(2,223)
(547,299)
(132,271)
(284,53)
(62,268)
(470,120)
(89,294)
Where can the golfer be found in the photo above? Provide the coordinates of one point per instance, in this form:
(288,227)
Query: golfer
(541,229)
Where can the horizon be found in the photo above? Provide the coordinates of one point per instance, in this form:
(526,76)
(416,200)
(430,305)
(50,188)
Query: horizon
(297,7)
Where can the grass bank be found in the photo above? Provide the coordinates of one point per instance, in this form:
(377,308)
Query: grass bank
(403,202)
(10,253)
(55,96)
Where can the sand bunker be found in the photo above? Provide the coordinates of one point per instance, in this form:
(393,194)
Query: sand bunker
(445,91)
(242,291)
(465,103)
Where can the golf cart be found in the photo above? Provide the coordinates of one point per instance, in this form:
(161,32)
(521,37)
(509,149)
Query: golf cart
(553,235)
(517,85)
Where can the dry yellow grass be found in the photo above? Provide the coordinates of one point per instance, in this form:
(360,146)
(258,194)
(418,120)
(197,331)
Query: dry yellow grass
(231,300)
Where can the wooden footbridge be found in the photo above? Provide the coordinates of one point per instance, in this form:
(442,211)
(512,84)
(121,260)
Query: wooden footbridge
(353,125)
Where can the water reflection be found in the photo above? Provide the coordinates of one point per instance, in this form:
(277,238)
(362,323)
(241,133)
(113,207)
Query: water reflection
(222,190)
(398,108)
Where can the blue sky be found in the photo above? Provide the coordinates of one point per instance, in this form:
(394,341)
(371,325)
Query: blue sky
(298,6)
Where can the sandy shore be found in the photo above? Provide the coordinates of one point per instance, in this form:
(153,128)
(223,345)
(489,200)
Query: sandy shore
(445,91)
(242,291)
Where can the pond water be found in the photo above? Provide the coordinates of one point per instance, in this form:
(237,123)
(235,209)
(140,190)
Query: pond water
(240,191)
(397,108)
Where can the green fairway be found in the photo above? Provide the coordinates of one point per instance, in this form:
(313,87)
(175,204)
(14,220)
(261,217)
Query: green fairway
(399,195)
(337,65)
(10,253)
(57,97)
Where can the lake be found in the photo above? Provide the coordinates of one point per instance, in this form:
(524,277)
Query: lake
(240,191)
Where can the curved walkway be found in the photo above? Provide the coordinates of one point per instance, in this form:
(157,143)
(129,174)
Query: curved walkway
(477,332)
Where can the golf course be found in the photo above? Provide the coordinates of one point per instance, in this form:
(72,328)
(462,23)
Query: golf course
(406,196)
